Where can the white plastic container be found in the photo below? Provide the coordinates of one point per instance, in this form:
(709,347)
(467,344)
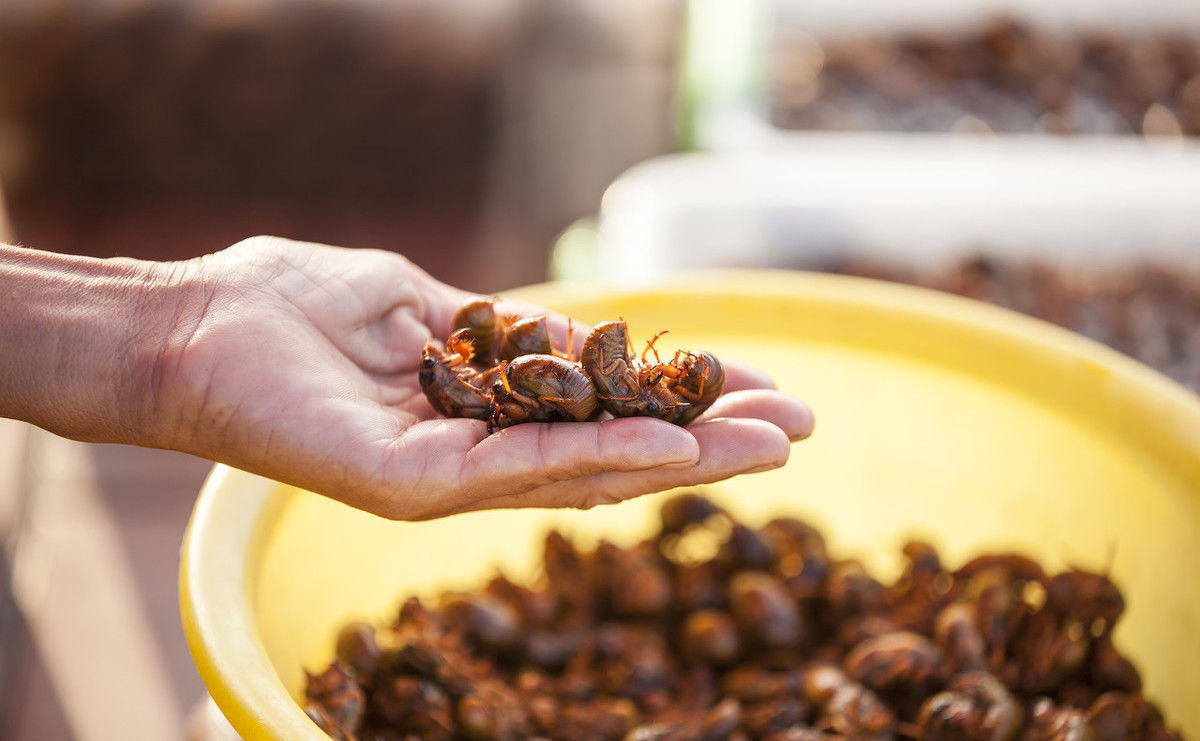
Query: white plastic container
(916,200)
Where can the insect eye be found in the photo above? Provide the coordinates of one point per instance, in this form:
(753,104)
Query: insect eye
(427,362)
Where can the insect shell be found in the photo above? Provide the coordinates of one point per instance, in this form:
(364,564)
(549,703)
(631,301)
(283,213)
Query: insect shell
(497,337)
(541,388)
(677,391)
(696,379)
(529,336)
(478,316)
(619,385)
(453,386)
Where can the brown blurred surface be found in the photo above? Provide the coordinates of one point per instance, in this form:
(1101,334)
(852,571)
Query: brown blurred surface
(106,101)
(171,129)
(1003,75)
(464,135)
(447,241)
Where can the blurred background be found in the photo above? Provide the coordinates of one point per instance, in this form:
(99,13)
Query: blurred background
(1045,157)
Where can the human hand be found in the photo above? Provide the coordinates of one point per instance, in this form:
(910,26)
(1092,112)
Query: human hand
(299,362)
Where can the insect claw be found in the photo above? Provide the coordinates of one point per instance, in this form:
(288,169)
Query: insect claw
(462,345)
(493,422)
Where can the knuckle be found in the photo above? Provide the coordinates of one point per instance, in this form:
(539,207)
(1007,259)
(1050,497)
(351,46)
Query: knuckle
(258,243)
(266,251)
(389,259)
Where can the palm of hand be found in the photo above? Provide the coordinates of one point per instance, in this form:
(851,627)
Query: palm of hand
(302,365)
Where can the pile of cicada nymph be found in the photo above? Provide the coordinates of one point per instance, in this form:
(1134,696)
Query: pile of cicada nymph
(506,370)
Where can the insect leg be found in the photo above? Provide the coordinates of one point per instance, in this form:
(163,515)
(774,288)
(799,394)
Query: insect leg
(651,348)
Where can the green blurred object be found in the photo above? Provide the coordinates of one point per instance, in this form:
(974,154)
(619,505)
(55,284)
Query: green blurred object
(576,251)
(722,67)
(722,81)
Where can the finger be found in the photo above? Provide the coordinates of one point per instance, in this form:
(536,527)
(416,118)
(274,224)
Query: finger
(728,447)
(403,391)
(456,470)
(351,287)
(374,305)
(740,376)
(441,302)
(391,344)
(786,412)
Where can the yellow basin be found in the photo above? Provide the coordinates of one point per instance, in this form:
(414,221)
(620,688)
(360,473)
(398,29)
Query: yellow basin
(937,417)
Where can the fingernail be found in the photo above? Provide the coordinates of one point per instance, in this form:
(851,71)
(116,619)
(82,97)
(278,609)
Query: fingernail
(679,450)
(646,443)
(804,425)
(767,467)
(679,464)
(683,457)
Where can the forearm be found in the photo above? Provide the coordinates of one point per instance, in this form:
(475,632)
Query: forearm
(79,342)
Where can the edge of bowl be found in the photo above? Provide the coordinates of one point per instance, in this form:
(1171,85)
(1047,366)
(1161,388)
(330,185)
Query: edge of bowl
(223,541)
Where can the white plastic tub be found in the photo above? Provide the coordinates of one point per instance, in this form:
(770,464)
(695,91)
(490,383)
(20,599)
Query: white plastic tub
(917,200)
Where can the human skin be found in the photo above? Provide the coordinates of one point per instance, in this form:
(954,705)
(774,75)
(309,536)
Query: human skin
(299,362)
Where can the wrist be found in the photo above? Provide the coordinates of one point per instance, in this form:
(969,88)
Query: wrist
(83,338)
(162,310)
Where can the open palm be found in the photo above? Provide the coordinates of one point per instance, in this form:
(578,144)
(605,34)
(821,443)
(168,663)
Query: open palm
(299,362)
